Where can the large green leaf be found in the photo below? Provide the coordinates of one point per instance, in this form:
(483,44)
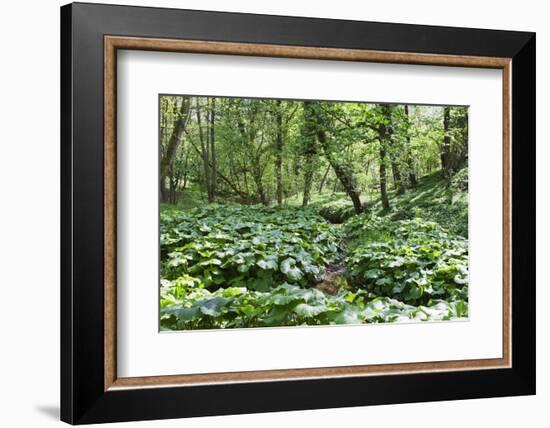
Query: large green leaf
(307,311)
(213,306)
(289,268)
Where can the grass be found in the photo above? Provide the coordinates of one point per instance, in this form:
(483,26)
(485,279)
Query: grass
(187,199)
(432,199)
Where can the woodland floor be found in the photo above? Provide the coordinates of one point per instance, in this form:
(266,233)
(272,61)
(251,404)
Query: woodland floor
(233,266)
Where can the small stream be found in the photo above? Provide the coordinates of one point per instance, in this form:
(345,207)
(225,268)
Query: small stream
(333,279)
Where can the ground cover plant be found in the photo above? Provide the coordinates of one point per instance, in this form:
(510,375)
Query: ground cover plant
(287,213)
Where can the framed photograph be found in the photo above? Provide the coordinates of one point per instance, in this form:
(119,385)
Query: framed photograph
(266,213)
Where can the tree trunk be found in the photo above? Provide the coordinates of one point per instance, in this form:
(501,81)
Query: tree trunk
(205,148)
(413,182)
(308,179)
(344,175)
(324,179)
(334,187)
(175,178)
(245,197)
(397,181)
(172,147)
(257,173)
(384,136)
(213,174)
(445,150)
(279,154)
(411,173)
(309,149)
(383,180)
(458,144)
(185,170)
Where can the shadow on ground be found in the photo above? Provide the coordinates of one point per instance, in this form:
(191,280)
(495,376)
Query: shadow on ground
(50,411)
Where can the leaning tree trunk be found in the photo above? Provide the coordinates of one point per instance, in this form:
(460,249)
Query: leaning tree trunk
(324,179)
(343,172)
(172,147)
(344,175)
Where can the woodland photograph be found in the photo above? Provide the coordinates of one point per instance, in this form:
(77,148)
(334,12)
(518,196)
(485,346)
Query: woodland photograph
(277,212)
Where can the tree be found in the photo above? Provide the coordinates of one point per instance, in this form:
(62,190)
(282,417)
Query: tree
(279,151)
(397,181)
(321,112)
(275,151)
(379,120)
(410,164)
(179,110)
(308,148)
(454,147)
(446,144)
(212,142)
(397,131)
(324,179)
(251,123)
(205,147)
(383,178)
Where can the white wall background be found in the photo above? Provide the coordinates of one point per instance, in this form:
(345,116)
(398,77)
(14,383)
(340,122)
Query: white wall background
(29,215)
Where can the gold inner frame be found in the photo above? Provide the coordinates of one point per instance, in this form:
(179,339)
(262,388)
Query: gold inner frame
(113,43)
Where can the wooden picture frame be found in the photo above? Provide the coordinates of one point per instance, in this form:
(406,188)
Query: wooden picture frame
(91,390)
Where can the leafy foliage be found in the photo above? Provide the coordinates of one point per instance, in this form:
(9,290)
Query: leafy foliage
(338,212)
(287,305)
(237,267)
(460,180)
(435,199)
(412,260)
(257,246)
